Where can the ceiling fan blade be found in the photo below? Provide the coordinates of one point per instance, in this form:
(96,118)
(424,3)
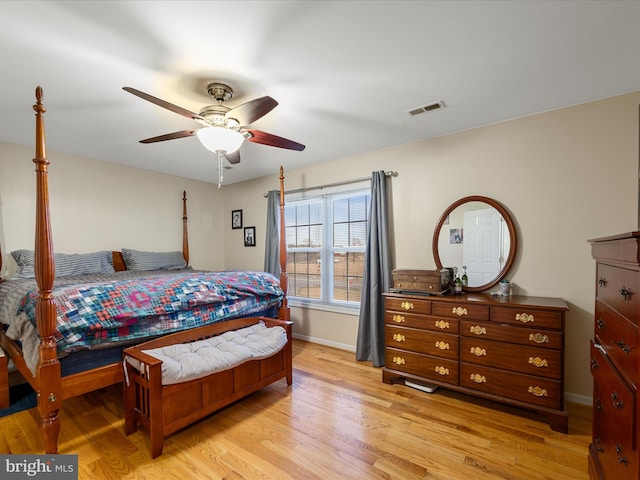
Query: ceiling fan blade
(169,106)
(233,157)
(251,111)
(169,136)
(265,138)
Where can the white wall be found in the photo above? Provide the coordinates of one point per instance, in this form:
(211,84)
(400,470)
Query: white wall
(98,205)
(566,176)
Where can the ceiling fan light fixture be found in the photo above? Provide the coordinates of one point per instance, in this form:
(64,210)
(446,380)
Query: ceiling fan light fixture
(220,139)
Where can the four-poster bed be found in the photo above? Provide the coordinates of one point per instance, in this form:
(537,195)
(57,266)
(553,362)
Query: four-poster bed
(46,375)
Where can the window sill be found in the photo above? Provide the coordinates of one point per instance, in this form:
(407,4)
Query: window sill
(324,307)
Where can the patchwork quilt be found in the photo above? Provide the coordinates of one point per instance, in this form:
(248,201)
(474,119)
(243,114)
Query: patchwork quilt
(103,309)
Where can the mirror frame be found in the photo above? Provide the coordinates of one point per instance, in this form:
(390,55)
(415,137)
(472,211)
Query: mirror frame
(510,226)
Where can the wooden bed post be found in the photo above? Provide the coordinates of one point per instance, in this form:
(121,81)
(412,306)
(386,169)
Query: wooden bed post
(284,312)
(48,368)
(185,234)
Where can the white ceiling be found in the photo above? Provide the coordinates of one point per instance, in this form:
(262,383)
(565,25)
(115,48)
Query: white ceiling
(344,72)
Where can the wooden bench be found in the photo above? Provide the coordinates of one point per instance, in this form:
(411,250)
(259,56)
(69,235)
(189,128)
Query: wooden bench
(164,409)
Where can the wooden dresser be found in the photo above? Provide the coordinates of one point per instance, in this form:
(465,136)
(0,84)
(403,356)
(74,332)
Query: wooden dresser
(506,349)
(614,451)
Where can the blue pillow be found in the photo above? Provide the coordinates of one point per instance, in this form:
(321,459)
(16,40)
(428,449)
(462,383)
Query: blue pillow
(139,261)
(67,264)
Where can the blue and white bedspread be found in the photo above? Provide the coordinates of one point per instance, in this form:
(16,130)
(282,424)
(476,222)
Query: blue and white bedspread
(104,309)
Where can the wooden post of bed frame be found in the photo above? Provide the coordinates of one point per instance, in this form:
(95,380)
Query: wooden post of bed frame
(284,312)
(185,234)
(48,368)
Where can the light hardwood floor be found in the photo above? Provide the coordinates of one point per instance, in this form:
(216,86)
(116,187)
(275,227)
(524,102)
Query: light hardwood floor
(337,421)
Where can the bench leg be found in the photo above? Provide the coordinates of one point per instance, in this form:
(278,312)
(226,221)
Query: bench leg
(4,380)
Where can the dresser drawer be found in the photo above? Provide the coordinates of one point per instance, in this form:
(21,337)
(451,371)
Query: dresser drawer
(610,285)
(534,390)
(614,403)
(529,317)
(425,366)
(422,341)
(507,333)
(516,358)
(460,310)
(619,337)
(408,305)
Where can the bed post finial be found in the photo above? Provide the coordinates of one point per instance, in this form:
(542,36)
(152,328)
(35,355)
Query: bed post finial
(48,367)
(284,278)
(185,233)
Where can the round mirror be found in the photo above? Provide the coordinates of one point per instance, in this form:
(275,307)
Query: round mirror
(475,234)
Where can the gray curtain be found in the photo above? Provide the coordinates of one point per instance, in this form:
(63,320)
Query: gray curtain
(272,244)
(377,276)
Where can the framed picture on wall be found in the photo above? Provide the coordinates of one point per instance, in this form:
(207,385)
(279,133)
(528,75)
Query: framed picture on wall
(236,219)
(249,236)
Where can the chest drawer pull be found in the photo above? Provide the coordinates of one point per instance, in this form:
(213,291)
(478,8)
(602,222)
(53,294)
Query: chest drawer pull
(442,324)
(600,323)
(478,330)
(594,363)
(621,458)
(538,338)
(619,404)
(476,377)
(524,317)
(478,352)
(442,345)
(459,311)
(598,404)
(398,360)
(398,318)
(538,362)
(399,337)
(442,370)
(623,346)
(406,305)
(537,391)
(625,293)
(602,281)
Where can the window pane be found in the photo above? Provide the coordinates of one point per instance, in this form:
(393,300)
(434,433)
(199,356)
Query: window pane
(302,214)
(315,212)
(341,235)
(358,234)
(358,207)
(315,234)
(341,210)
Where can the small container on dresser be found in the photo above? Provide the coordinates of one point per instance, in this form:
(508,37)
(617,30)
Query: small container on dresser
(506,349)
(614,451)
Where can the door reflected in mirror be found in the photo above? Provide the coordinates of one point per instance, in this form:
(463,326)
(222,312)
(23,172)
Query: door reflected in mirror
(476,233)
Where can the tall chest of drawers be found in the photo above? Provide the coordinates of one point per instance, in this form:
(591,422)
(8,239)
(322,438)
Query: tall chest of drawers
(506,349)
(614,452)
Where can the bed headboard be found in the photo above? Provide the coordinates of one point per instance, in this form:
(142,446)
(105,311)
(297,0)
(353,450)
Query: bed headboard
(118,261)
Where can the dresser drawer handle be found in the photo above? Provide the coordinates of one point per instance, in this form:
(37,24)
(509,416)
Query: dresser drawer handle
(398,319)
(602,282)
(598,444)
(594,364)
(619,404)
(476,377)
(524,317)
(442,325)
(399,337)
(398,360)
(459,311)
(600,323)
(478,330)
(538,338)
(478,352)
(442,370)
(621,458)
(537,391)
(406,305)
(623,346)
(625,293)
(538,362)
(442,345)
(597,403)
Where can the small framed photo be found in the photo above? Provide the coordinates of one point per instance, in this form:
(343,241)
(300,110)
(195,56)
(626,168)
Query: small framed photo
(236,219)
(249,236)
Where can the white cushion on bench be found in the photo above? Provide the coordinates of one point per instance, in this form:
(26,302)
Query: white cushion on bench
(187,361)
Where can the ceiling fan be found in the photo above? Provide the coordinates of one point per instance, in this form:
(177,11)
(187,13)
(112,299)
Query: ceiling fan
(224,129)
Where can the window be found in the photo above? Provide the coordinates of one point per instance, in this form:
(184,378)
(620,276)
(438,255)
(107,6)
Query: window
(326,242)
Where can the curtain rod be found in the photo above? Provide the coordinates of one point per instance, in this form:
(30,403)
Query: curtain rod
(336,184)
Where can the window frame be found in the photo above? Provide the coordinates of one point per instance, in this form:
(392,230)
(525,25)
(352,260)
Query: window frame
(327,272)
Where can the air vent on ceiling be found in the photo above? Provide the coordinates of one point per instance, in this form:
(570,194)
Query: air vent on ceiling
(426,108)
